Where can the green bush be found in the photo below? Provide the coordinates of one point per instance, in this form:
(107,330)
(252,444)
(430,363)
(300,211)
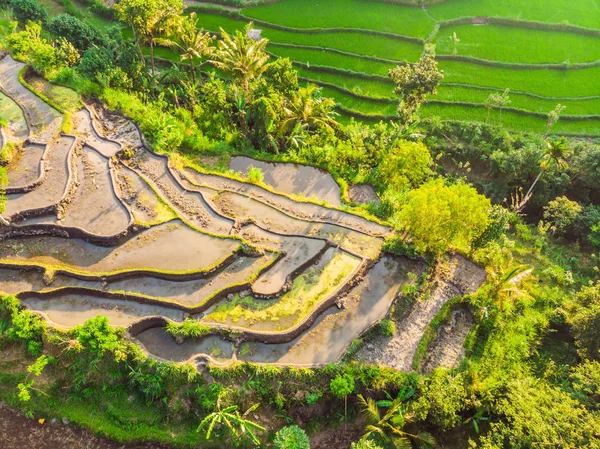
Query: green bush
(77,32)
(189,328)
(291,437)
(255,175)
(28,10)
(387,327)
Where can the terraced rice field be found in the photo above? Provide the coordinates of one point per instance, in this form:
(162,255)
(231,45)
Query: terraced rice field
(544,52)
(272,274)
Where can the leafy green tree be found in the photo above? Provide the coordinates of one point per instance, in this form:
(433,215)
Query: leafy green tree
(495,230)
(536,414)
(438,216)
(414,82)
(442,398)
(584,318)
(236,426)
(77,32)
(291,437)
(499,101)
(554,155)
(387,428)
(190,41)
(406,165)
(29,45)
(28,10)
(309,111)
(282,76)
(241,56)
(341,386)
(149,19)
(562,213)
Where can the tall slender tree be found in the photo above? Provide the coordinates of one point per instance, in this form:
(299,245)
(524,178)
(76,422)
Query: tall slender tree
(555,156)
(190,41)
(149,19)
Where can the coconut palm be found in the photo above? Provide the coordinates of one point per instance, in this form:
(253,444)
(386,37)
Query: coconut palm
(554,156)
(387,429)
(235,424)
(190,41)
(506,286)
(309,111)
(242,56)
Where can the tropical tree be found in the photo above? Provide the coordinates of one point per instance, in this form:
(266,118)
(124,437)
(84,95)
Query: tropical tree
(242,56)
(236,425)
(309,111)
(149,19)
(437,216)
(506,285)
(190,41)
(497,100)
(555,156)
(414,82)
(341,387)
(387,428)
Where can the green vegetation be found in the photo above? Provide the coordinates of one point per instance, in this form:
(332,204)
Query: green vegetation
(451,175)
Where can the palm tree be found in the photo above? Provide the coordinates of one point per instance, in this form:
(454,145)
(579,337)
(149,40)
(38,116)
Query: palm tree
(149,19)
(309,111)
(554,156)
(235,424)
(242,56)
(387,429)
(190,41)
(506,286)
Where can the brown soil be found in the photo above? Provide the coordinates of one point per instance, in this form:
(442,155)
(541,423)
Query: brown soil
(363,194)
(19,432)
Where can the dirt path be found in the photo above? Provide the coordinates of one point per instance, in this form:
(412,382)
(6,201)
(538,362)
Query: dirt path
(397,352)
(448,349)
(19,432)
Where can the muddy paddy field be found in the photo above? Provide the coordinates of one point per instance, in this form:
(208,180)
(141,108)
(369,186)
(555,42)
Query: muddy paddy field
(280,272)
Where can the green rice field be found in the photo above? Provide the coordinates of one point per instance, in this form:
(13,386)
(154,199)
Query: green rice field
(348,47)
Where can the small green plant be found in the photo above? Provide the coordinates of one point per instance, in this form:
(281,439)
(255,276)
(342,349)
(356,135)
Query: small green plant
(341,387)
(291,437)
(387,327)
(313,398)
(189,328)
(255,175)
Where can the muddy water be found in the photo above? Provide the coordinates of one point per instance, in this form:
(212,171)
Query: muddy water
(71,310)
(141,199)
(11,112)
(329,337)
(306,211)
(293,179)
(159,343)
(297,251)
(189,293)
(188,204)
(44,121)
(169,247)
(24,168)
(84,129)
(54,186)
(95,207)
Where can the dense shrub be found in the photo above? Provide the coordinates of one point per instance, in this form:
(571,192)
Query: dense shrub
(78,33)
(28,10)
(387,327)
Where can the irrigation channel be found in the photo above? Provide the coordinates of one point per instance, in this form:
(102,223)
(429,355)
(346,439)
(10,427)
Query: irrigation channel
(101,224)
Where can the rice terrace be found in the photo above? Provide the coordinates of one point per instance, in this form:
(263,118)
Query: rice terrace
(298,224)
